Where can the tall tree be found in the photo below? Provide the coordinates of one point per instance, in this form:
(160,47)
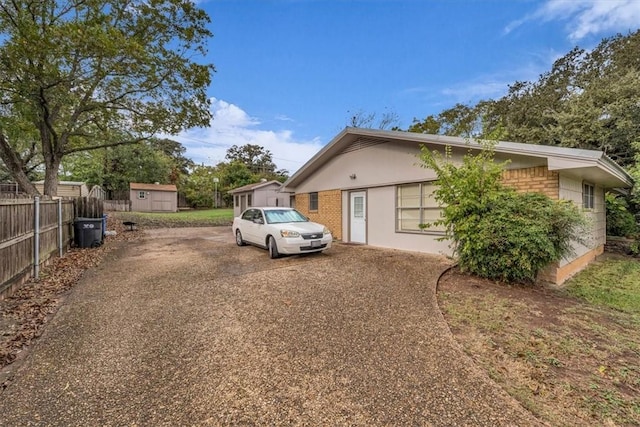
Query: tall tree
(199,186)
(98,73)
(180,165)
(589,99)
(258,160)
(459,120)
(114,168)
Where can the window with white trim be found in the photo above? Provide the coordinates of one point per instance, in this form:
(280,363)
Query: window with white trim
(588,198)
(416,205)
(142,195)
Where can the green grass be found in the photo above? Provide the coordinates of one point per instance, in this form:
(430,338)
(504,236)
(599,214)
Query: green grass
(190,218)
(613,283)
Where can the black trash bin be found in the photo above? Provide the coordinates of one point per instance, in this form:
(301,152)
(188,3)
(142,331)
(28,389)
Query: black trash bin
(88,232)
(104,224)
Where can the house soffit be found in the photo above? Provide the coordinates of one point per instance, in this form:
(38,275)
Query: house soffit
(558,158)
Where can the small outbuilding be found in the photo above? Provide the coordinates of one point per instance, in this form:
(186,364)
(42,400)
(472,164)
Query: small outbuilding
(67,188)
(263,193)
(153,197)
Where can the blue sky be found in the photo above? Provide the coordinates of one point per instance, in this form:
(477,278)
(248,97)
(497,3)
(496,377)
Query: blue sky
(291,72)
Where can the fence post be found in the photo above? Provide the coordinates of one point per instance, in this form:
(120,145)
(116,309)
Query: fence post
(60,228)
(36,237)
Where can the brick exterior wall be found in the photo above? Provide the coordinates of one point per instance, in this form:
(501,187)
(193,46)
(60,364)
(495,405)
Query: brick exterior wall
(329,210)
(534,179)
(537,179)
(558,275)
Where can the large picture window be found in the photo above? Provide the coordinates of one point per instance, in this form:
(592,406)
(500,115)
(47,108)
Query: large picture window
(416,205)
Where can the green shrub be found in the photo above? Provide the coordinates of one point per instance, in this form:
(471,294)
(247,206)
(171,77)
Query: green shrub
(516,236)
(498,233)
(620,220)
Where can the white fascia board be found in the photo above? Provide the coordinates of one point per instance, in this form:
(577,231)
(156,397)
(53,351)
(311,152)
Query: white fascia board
(555,163)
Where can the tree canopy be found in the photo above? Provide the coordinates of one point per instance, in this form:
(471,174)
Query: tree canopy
(258,160)
(245,164)
(588,99)
(113,168)
(81,75)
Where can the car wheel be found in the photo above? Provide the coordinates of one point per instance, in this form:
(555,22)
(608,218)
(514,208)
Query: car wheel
(239,240)
(273,248)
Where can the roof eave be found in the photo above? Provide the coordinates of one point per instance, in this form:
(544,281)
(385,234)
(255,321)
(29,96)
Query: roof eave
(592,157)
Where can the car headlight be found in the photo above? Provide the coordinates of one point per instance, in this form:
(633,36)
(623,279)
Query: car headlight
(326,231)
(289,233)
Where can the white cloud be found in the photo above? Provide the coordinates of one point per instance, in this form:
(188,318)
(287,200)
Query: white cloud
(283,118)
(486,86)
(469,91)
(233,126)
(586,17)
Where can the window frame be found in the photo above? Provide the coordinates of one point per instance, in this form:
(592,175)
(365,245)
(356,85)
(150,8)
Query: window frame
(142,195)
(588,195)
(313,197)
(429,186)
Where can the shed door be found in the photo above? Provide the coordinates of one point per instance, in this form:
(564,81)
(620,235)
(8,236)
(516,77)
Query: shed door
(358,217)
(162,201)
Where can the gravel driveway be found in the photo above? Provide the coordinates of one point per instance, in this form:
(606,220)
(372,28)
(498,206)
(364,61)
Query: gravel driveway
(185,328)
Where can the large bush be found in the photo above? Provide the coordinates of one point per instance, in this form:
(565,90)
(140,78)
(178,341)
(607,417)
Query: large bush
(498,233)
(620,220)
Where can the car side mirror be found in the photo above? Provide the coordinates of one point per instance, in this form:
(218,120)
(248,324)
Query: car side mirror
(258,220)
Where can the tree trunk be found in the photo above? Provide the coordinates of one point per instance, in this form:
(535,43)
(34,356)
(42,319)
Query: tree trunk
(51,153)
(51,176)
(15,166)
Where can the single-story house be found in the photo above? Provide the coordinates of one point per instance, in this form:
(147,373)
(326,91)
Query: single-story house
(368,187)
(153,197)
(263,193)
(67,188)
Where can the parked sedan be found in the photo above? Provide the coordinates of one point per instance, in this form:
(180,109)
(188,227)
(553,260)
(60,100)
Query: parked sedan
(281,231)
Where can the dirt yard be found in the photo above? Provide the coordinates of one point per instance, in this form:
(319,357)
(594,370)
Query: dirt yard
(568,362)
(182,327)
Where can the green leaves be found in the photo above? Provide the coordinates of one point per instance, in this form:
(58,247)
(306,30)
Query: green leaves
(498,233)
(101,72)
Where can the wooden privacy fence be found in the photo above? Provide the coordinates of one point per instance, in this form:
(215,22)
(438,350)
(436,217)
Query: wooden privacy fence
(88,207)
(117,205)
(34,230)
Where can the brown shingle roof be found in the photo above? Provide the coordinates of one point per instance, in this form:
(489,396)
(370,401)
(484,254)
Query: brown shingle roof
(157,187)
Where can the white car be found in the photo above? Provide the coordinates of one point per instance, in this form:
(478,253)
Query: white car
(281,231)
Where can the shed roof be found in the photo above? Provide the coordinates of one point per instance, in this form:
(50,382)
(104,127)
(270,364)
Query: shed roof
(254,186)
(78,183)
(558,158)
(156,187)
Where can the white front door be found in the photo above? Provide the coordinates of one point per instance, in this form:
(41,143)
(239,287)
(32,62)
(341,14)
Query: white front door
(358,217)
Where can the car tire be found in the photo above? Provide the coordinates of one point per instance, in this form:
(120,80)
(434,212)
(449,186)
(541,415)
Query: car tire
(273,248)
(239,240)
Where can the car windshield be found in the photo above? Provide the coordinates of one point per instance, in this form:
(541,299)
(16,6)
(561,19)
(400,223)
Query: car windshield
(284,215)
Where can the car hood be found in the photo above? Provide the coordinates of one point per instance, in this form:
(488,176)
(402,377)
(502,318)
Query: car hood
(301,227)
